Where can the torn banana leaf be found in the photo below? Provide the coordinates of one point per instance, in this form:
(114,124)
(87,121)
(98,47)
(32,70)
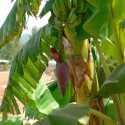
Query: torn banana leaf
(26,71)
(16,19)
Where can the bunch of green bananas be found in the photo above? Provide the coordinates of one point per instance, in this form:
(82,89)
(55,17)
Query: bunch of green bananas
(73,19)
(79,5)
(68,11)
(59,9)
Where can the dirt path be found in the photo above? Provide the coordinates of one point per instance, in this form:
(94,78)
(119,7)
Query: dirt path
(3,82)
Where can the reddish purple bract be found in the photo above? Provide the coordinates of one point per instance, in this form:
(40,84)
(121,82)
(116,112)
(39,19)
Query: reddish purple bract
(54,54)
(62,74)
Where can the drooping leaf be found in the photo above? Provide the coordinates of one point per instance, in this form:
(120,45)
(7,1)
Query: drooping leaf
(114,83)
(9,27)
(69,115)
(44,100)
(42,103)
(16,20)
(26,71)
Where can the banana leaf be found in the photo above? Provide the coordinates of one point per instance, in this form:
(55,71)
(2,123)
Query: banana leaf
(44,103)
(16,19)
(26,71)
(115,83)
(55,91)
(72,114)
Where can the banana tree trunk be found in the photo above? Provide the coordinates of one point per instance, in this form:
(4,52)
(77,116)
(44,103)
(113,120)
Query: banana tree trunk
(83,78)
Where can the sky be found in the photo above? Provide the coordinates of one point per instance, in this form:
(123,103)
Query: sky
(5,7)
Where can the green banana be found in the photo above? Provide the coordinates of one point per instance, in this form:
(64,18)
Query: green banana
(70,4)
(80,6)
(79,20)
(75,4)
(73,18)
(57,5)
(56,12)
(73,25)
(71,13)
(62,5)
(85,7)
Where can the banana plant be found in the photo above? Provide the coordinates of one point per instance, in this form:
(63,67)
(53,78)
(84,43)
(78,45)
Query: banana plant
(86,39)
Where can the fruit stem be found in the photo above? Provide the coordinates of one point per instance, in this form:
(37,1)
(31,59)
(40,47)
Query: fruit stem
(60,38)
(71,89)
(102,116)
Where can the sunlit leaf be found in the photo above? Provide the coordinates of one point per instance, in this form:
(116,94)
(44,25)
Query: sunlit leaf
(114,83)
(118,10)
(108,48)
(69,115)
(42,102)
(96,22)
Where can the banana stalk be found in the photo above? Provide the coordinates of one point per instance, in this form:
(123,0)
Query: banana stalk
(83,77)
(96,104)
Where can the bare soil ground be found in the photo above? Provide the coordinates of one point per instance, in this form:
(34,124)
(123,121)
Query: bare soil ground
(3,82)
